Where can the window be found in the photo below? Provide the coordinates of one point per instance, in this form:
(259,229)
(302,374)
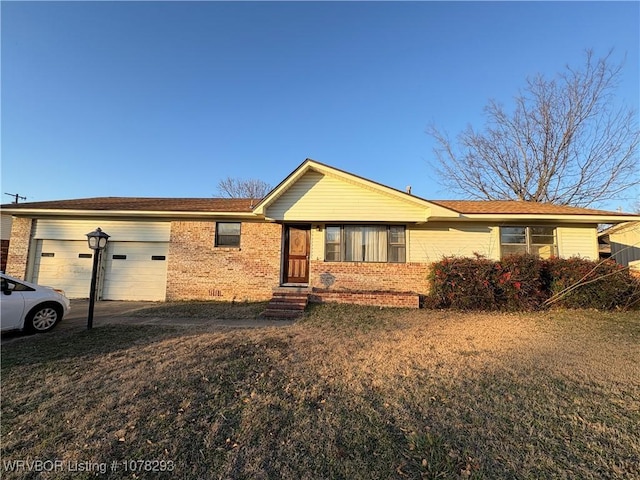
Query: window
(365,243)
(540,241)
(227,234)
(332,244)
(10,285)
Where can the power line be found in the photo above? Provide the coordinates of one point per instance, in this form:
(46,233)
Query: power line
(16,197)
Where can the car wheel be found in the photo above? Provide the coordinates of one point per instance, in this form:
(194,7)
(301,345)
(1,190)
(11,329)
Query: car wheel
(43,318)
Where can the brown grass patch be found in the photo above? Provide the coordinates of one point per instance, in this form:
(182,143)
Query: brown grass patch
(348,392)
(210,309)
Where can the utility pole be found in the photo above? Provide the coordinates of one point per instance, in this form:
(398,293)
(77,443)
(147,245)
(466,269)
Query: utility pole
(16,196)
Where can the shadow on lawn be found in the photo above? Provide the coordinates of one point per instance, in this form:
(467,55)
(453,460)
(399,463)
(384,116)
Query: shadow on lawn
(65,345)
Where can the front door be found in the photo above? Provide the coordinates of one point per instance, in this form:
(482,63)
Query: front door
(296,251)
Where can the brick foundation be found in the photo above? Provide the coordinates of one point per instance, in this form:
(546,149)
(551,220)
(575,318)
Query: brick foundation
(378,299)
(370,277)
(199,270)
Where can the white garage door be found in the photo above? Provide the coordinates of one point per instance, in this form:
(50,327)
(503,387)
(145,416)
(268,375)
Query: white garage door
(135,271)
(133,267)
(64,264)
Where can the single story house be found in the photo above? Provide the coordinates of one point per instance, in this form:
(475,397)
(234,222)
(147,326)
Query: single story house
(338,235)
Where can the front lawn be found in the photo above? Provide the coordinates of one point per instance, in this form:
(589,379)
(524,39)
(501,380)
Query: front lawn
(347,392)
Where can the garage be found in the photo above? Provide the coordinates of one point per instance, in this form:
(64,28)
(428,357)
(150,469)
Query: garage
(64,264)
(135,271)
(133,266)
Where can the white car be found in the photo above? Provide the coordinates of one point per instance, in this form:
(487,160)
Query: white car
(29,307)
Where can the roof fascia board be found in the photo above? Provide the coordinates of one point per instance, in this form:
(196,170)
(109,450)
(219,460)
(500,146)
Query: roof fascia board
(621,227)
(282,187)
(545,217)
(36,212)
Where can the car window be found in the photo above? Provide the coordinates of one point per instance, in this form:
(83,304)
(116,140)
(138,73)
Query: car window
(15,286)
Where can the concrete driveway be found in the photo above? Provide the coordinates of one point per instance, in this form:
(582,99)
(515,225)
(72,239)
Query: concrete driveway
(120,312)
(104,313)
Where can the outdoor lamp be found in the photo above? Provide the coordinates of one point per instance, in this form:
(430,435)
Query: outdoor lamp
(97,241)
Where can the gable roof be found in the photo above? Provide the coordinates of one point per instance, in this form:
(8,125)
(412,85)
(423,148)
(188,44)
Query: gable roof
(420,210)
(310,165)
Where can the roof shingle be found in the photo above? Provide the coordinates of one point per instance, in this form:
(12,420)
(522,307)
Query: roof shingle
(245,205)
(515,207)
(143,204)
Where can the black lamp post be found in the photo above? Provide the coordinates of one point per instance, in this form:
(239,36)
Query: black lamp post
(97,241)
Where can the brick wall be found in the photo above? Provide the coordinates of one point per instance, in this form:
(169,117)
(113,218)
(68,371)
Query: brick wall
(199,270)
(19,247)
(381,277)
(378,299)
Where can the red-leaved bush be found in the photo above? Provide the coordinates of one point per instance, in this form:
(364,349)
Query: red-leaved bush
(602,285)
(526,282)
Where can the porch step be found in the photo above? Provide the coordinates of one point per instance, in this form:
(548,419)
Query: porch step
(287,303)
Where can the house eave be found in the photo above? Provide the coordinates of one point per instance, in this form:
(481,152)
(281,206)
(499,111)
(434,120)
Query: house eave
(156,214)
(629,224)
(589,219)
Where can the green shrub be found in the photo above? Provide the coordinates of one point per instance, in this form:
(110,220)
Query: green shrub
(526,282)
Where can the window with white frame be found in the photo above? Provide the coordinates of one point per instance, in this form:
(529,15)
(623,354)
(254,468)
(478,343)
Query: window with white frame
(365,243)
(539,241)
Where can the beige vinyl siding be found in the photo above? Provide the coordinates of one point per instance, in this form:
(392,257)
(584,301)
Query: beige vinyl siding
(317,243)
(327,198)
(578,241)
(133,231)
(429,243)
(625,244)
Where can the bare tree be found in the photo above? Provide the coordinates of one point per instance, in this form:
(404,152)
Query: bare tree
(566,142)
(240,188)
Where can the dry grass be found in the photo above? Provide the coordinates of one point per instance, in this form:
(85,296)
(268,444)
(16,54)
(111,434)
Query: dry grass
(208,309)
(348,392)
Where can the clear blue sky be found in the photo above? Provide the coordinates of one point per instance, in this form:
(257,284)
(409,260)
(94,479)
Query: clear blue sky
(165,99)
